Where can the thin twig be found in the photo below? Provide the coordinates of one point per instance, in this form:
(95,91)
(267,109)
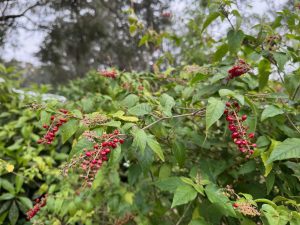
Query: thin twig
(172,117)
(184,213)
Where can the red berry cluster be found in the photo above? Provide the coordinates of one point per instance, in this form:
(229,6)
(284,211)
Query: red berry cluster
(93,159)
(238,130)
(166,14)
(56,121)
(39,203)
(238,69)
(109,73)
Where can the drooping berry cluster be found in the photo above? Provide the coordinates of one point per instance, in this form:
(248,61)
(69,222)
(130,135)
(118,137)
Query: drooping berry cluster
(238,69)
(109,73)
(238,130)
(246,208)
(92,159)
(39,203)
(56,121)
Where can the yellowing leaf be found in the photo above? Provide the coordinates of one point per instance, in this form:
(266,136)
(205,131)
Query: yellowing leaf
(9,168)
(120,115)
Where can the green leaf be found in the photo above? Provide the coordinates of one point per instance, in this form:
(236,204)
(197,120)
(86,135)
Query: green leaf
(220,53)
(68,129)
(295,218)
(235,39)
(79,145)
(4,206)
(288,149)
(183,195)
(271,215)
(120,115)
(26,202)
(45,118)
(265,156)
(139,139)
(232,94)
(6,196)
(113,124)
(214,111)
(166,102)
(198,222)
(140,109)
(19,183)
(7,185)
(217,197)
(130,101)
(13,214)
(155,146)
(179,152)
(270,111)
(264,70)
(281,59)
(211,17)
(168,184)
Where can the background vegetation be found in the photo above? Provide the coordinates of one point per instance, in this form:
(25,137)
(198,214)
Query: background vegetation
(179,163)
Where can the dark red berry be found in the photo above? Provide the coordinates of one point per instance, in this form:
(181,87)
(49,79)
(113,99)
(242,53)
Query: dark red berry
(244,117)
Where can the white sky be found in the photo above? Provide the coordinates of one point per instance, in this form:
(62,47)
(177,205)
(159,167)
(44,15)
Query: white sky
(25,44)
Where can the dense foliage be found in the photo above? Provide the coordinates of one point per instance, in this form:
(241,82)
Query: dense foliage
(196,144)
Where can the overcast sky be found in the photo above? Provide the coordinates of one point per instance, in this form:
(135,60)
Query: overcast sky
(24,44)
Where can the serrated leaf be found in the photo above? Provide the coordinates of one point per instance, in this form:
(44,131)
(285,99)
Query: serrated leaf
(68,129)
(235,39)
(270,111)
(183,195)
(140,109)
(166,104)
(210,18)
(214,111)
(288,149)
(139,139)
(13,214)
(155,146)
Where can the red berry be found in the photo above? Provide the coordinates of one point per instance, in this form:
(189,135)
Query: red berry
(88,154)
(251,135)
(52,117)
(96,146)
(235,205)
(121,141)
(104,144)
(63,120)
(229,118)
(254,145)
(244,117)
(40,141)
(116,140)
(235,135)
(114,145)
(54,129)
(251,152)
(94,161)
(226,111)
(45,126)
(228,104)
